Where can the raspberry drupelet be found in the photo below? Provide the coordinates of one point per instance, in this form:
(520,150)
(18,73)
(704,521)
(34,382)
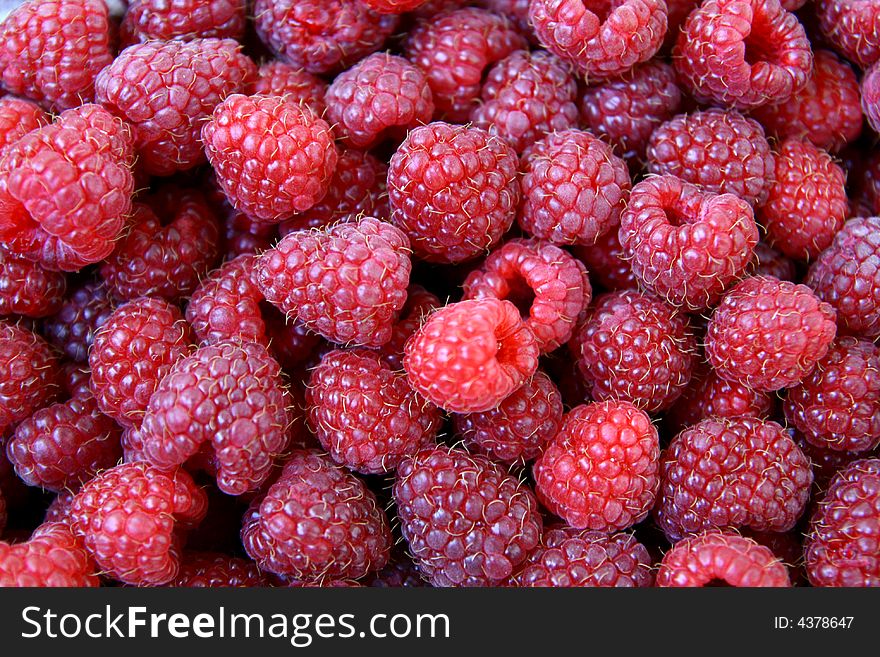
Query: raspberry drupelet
(277,78)
(17,118)
(853,27)
(29,374)
(145,20)
(72,329)
(52,557)
(27,289)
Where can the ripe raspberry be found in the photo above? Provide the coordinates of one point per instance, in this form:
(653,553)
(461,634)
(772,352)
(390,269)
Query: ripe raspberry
(549,286)
(454,49)
(72,329)
(853,27)
(215,570)
(52,557)
(241,235)
(453,190)
(768,334)
(2,512)
(568,557)
(17,118)
(742,53)
(713,556)
(132,352)
(400,573)
(272,158)
(636,348)
(166,90)
(719,150)
(317,521)
(825,462)
(321,36)
(871,97)
(600,471)
(769,262)
(468,356)
(518,429)
(379,98)
(127,517)
(419,304)
(826,111)
(29,375)
(145,20)
(347,282)
(296,85)
(393,6)
(59,508)
(28,289)
(625,111)
(51,51)
(65,189)
(516,11)
(732,473)
(466,521)
(607,262)
(679,10)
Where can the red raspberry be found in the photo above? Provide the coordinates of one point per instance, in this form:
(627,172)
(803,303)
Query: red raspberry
(59,508)
(525,96)
(65,189)
(29,375)
(132,352)
(366,415)
(870,101)
(466,521)
(769,262)
(825,462)
(516,11)
(347,282)
(625,111)
(17,118)
(28,289)
(838,405)
(419,304)
(826,111)
(393,6)
(72,329)
(215,570)
(75,379)
(549,286)
(468,356)
(518,429)
(166,90)
(241,235)
(600,471)
(380,97)
(454,49)
(272,158)
(574,188)
(2,513)
(742,53)
(769,334)
(568,557)
(317,521)
(321,36)
(146,20)
(227,304)
(679,10)
(296,85)
(51,51)
(719,150)
(52,557)
(607,262)
(637,348)
(732,473)
(853,26)
(400,572)
(453,190)
(128,516)
(712,557)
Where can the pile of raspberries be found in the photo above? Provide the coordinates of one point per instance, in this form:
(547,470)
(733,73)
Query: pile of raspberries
(440,293)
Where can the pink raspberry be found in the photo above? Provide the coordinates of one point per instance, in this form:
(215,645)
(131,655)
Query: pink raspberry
(470,355)
(145,20)
(770,262)
(870,100)
(29,375)
(574,188)
(769,334)
(401,572)
(516,11)
(72,329)
(51,557)
(853,27)
(419,304)
(215,570)
(393,6)
(297,86)
(453,190)
(607,262)
(241,235)
(17,118)
(28,289)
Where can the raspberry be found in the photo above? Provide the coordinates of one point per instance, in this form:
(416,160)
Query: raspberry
(166,90)
(229,395)
(321,36)
(732,473)
(400,572)
(686,245)
(65,189)
(29,375)
(468,356)
(454,50)
(380,97)
(718,557)
(72,329)
(2,512)
(853,26)
(17,118)
(635,348)
(525,96)
(679,10)
(213,570)
(75,380)
(366,415)
(393,6)
(550,287)
(825,462)
(146,20)
(453,190)
(847,276)
(769,262)
(574,188)
(51,51)
(568,557)
(838,405)
(719,150)
(296,85)
(52,557)
(607,262)
(742,53)
(826,111)
(625,111)
(769,334)
(871,97)
(317,521)
(28,289)
(516,11)
(272,158)
(59,508)
(600,471)
(419,304)
(466,521)
(241,235)
(132,352)
(128,516)
(347,282)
